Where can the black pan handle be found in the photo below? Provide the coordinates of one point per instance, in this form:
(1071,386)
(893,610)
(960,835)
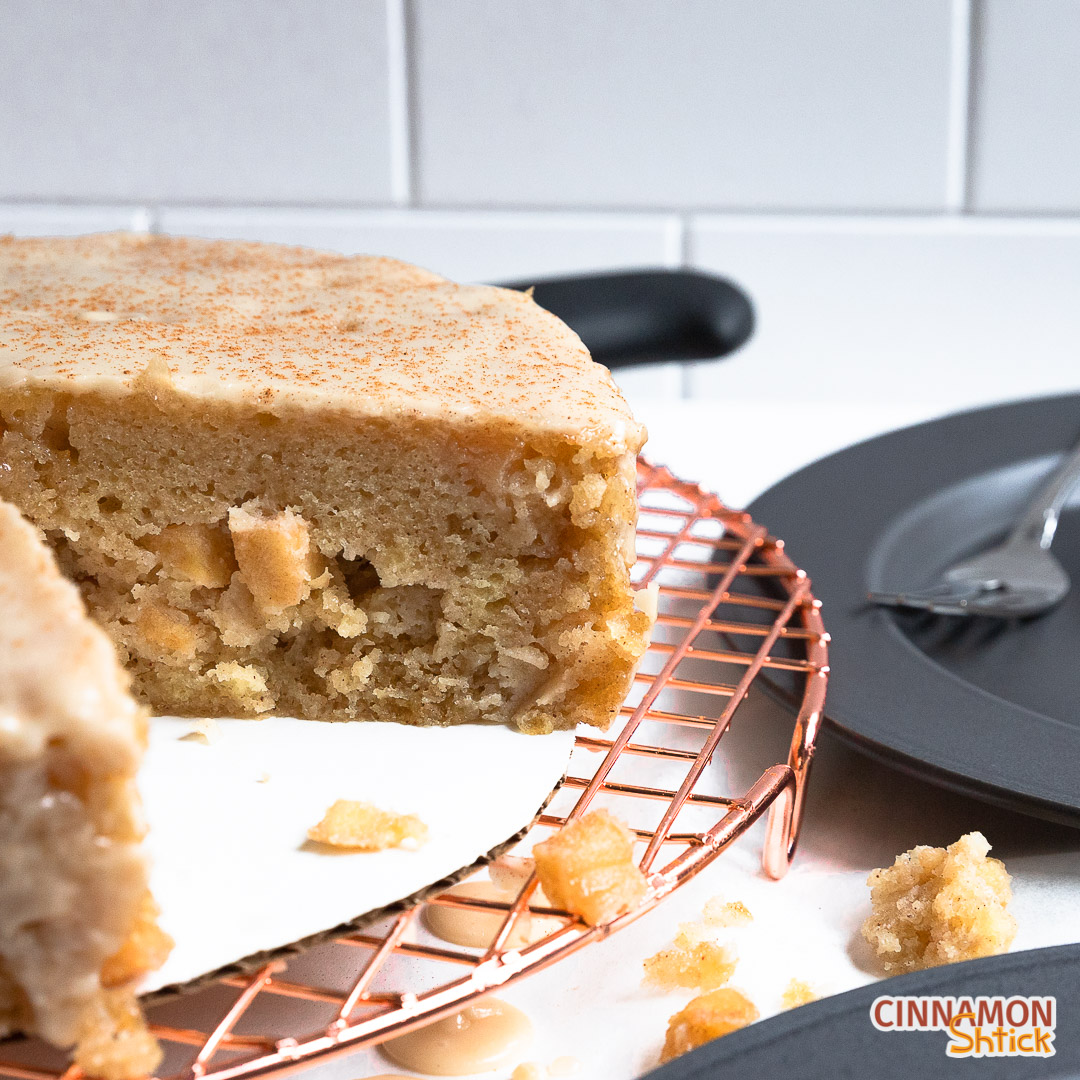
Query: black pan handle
(649,316)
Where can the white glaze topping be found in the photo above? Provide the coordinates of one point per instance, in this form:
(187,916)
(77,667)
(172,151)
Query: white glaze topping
(283,328)
(59,677)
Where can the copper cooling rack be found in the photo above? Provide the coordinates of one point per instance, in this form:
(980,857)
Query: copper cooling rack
(733,611)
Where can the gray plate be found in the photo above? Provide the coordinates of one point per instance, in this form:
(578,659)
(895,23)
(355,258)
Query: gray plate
(987,707)
(833,1039)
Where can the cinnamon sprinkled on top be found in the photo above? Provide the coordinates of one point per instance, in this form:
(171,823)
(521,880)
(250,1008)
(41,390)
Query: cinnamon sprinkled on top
(286,327)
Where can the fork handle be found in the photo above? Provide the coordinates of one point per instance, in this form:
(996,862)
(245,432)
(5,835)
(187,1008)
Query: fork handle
(1039,520)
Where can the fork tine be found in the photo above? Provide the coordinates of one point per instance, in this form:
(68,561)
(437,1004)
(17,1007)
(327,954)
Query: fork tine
(943,598)
(1002,603)
(1013,604)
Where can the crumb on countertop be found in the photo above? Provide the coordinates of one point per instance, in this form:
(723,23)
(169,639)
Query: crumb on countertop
(707,1017)
(798,993)
(940,905)
(701,966)
(206,730)
(694,933)
(720,912)
(364,827)
(529,1070)
(558,1069)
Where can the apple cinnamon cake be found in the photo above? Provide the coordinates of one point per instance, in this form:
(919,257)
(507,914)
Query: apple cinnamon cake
(77,924)
(323,486)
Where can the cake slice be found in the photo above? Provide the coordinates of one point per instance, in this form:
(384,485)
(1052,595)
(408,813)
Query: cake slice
(322,486)
(77,925)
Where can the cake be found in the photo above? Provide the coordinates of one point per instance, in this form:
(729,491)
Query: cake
(940,905)
(77,924)
(294,482)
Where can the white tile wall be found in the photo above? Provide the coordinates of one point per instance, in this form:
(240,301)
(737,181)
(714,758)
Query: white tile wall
(1026,121)
(465,246)
(936,312)
(738,105)
(645,385)
(749,103)
(201,99)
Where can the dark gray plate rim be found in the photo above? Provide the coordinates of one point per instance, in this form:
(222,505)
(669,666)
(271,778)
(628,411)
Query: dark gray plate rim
(887,698)
(833,1038)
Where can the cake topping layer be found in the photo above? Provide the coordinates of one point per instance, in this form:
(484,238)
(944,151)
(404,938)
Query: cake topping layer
(59,678)
(283,328)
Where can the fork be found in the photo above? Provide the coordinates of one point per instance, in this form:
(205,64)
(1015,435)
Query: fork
(1016,578)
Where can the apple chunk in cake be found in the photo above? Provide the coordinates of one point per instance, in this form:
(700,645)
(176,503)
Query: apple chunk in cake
(333,487)
(77,924)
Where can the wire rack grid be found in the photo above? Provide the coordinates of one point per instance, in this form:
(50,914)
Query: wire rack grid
(732,610)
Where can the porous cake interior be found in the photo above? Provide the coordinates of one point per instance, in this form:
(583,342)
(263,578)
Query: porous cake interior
(330,566)
(71,884)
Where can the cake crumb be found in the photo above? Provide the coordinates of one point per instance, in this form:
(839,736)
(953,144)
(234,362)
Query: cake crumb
(940,905)
(704,966)
(364,827)
(558,1069)
(588,868)
(693,933)
(114,1042)
(647,600)
(564,1066)
(205,730)
(262,778)
(529,1070)
(147,947)
(706,1018)
(798,993)
(720,912)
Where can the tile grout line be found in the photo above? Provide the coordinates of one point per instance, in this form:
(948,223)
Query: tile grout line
(686,382)
(809,220)
(957,164)
(144,219)
(975,40)
(397,77)
(686,254)
(766,218)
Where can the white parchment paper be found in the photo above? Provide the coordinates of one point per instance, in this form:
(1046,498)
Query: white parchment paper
(232,869)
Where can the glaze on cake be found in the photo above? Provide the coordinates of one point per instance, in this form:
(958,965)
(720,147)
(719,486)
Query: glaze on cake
(77,924)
